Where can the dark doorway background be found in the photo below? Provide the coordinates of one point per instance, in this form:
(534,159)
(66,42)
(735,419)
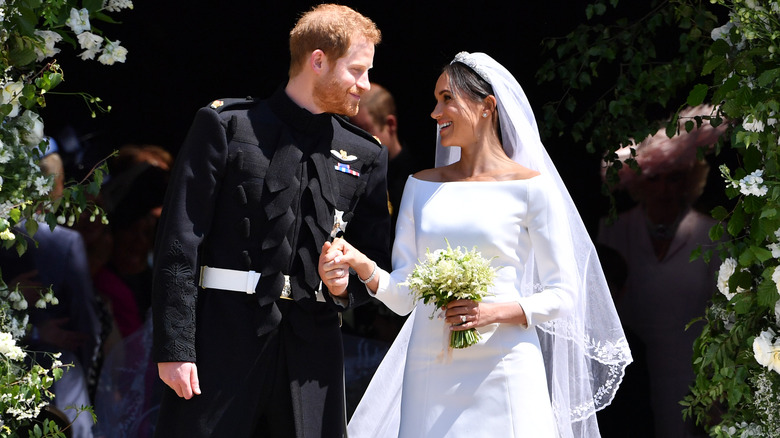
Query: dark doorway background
(184,55)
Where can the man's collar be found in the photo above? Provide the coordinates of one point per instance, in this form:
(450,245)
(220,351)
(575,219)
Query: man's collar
(295,116)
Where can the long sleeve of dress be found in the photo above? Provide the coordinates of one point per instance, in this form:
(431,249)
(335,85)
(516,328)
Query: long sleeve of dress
(554,257)
(395,296)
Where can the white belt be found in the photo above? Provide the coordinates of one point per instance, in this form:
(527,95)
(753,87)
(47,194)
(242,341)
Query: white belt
(240,281)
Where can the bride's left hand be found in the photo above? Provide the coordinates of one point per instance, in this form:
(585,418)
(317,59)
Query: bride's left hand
(469,314)
(466,314)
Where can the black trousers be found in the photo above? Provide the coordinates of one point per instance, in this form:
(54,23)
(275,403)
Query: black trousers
(279,385)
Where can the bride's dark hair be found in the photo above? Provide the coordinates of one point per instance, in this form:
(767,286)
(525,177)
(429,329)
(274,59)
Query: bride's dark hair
(465,80)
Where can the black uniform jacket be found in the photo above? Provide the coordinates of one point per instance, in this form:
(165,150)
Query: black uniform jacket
(255,187)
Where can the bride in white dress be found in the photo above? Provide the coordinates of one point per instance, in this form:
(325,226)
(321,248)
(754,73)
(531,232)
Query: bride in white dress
(552,350)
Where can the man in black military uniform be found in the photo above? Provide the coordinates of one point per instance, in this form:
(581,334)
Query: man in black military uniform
(245,335)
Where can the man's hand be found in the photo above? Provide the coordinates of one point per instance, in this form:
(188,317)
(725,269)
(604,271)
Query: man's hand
(182,377)
(334,275)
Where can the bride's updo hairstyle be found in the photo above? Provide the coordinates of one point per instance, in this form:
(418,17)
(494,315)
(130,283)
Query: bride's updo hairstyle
(466,82)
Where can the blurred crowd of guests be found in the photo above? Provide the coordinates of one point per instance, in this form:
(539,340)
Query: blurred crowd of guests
(101,275)
(658,291)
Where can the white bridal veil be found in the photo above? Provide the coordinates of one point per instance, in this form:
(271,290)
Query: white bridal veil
(586,353)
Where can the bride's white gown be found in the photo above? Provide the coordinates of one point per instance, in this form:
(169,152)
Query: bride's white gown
(497,388)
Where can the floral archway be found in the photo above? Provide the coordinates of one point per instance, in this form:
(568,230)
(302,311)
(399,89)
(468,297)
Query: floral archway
(727,53)
(31,34)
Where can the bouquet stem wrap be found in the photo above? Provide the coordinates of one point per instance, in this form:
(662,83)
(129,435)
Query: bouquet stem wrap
(464,338)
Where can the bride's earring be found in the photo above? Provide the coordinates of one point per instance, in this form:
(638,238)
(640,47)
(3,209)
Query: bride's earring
(484,115)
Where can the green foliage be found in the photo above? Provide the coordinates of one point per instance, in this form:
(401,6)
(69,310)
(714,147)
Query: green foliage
(631,69)
(29,33)
(733,63)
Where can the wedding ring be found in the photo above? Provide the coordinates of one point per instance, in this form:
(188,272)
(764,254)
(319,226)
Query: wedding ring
(463,319)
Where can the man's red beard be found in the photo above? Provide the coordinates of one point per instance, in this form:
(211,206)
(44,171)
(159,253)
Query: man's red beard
(331,98)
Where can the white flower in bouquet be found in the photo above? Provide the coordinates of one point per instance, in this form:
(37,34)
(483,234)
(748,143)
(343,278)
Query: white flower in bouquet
(777,311)
(117,5)
(767,351)
(776,277)
(29,34)
(6,154)
(451,274)
(79,20)
(753,184)
(722,32)
(753,124)
(775,249)
(725,272)
(7,234)
(10,96)
(112,53)
(50,38)
(30,128)
(43,185)
(91,44)
(8,347)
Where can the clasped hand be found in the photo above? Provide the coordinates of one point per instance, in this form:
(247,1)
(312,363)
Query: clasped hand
(333,267)
(335,260)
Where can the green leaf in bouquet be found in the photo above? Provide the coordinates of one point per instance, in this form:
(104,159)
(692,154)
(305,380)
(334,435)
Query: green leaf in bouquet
(48,81)
(21,246)
(752,204)
(753,159)
(737,222)
(105,18)
(766,294)
(15,214)
(719,213)
(743,303)
(697,95)
(32,227)
(695,254)
(767,77)
(671,127)
(761,254)
(22,51)
(92,5)
(768,213)
(712,64)
(745,258)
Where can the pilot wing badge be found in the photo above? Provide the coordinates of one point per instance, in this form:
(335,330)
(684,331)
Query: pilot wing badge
(344,158)
(342,155)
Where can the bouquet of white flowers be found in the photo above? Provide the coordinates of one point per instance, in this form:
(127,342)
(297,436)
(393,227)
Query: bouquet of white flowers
(452,274)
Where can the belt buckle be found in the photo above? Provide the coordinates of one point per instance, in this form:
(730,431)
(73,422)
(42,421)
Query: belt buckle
(286,289)
(200,280)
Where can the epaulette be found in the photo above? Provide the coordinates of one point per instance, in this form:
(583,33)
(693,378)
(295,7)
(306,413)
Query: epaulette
(346,124)
(220,105)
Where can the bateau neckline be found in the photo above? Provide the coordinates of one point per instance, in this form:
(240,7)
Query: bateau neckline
(475,182)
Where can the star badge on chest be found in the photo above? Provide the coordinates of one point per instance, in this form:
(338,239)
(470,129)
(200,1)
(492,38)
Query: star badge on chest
(339,224)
